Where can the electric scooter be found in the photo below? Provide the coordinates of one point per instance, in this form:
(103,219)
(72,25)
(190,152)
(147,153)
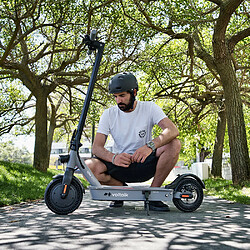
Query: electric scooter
(64,193)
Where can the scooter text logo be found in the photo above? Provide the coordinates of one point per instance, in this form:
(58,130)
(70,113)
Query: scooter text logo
(116,194)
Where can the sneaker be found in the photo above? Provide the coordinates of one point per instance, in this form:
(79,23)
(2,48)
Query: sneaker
(116,204)
(158,206)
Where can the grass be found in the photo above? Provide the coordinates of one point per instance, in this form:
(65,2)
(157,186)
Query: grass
(21,182)
(226,190)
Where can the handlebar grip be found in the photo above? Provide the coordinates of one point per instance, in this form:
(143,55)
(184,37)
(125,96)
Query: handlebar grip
(93,34)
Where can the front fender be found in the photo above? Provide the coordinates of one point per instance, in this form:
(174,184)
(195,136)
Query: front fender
(60,176)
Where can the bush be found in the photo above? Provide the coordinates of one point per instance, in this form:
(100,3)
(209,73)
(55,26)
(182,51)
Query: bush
(8,152)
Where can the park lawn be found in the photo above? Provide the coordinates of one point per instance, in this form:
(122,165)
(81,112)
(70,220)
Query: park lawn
(226,190)
(22,183)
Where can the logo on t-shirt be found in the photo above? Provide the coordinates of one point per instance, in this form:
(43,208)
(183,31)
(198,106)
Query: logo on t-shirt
(142,133)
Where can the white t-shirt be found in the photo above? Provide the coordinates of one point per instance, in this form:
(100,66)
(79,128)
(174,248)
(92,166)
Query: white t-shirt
(131,130)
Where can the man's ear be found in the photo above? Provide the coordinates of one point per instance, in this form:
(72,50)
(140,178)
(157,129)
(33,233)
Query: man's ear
(135,92)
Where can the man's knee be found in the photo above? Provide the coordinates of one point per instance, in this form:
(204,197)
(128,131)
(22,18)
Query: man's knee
(96,166)
(176,144)
(173,147)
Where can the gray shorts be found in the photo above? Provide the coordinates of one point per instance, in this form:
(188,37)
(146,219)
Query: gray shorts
(136,172)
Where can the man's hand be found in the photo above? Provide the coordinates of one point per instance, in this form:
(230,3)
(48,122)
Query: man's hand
(123,160)
(141,154)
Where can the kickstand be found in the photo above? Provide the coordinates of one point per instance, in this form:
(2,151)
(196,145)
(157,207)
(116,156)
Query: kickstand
(146,194)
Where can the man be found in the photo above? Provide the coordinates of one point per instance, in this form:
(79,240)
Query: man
(137,157)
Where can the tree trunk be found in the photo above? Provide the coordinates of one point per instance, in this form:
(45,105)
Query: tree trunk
(41,156)
(237,134)
(219,142)
(52,127)
(239,155)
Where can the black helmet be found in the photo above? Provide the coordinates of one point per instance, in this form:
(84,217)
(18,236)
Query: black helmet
(122,82)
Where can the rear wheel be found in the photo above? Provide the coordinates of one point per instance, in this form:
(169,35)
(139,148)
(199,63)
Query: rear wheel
(63,206)
(191,195)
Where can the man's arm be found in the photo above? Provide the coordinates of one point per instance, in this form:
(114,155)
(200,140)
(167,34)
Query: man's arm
(122,160)
(169,132)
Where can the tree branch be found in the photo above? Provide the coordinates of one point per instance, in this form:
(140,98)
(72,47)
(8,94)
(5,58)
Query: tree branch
(64,64)
(237,38)
(218,2)
(11,42)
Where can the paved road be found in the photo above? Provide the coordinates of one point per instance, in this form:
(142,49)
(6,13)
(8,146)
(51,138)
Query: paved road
(217,224)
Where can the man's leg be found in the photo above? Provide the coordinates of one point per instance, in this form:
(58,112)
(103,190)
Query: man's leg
(168,156)
(99,169)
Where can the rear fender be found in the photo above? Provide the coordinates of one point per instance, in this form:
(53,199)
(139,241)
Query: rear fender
(173,184)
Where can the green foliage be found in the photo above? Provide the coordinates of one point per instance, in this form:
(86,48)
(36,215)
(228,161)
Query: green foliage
(226,190)
(21,182)
(173,70)
(9,152)
(13,106)
(185,101)
(137,40)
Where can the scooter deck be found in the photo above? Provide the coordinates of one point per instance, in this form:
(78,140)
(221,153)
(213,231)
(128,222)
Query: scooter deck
(130,193)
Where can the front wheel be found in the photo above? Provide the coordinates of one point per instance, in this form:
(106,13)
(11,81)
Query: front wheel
(67,205)
(194,198)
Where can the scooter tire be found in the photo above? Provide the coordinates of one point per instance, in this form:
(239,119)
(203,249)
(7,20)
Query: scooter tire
(67,205)
(189,204)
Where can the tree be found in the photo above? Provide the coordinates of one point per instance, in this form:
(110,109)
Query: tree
(219,141)
(223,48)
(33,35)
(214,30)
(42,47)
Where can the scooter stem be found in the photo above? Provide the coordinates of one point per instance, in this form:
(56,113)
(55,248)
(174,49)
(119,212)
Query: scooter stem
(75,143)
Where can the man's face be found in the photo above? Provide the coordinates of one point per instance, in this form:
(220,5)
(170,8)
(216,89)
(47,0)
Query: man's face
(124,100)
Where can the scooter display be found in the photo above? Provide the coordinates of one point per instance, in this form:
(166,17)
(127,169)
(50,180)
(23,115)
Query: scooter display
(64,193)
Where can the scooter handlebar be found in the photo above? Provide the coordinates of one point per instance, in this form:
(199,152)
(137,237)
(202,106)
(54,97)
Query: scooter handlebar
(92,40)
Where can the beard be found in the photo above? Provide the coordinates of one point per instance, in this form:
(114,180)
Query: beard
(126,107)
